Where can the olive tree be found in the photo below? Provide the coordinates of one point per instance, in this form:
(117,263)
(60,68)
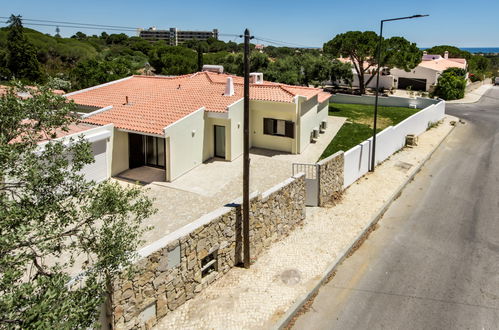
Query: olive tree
(54,223)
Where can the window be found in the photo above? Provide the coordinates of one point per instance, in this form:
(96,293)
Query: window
(209,264)
(279,127)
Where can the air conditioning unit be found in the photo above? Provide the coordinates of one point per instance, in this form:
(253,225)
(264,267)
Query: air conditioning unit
(315,133)
(312,138)
(323,126)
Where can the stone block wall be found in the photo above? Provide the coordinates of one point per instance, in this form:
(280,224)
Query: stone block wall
(175,268)
(275,213)
(330,177)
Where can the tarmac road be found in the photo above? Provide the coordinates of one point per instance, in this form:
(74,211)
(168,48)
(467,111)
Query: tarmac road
(433,263)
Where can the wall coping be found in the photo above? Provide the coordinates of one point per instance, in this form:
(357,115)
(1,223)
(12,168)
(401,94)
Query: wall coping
(183,231)
(329,158)
(265,195)
(209,217)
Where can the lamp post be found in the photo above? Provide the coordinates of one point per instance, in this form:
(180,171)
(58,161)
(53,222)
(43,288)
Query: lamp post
(373,155)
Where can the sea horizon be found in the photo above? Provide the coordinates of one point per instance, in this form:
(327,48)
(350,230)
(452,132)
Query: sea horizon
(475,50)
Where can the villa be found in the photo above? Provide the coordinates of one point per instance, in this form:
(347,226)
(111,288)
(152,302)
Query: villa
(176,123)
(421,78)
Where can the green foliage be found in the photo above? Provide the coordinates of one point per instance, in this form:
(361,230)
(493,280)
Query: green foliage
(400,53)
(278,52)
(22,62)
(285,70)
(456,71)
(479,65)
(341,72)
(454,52)
(52,220)
(451,85)
(171,60)
(94,72)
(362,47)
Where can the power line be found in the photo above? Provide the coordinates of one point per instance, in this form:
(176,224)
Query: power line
(279,42)
(76,27)
(74,23)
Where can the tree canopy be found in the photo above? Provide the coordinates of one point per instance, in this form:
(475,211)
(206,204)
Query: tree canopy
(22,62)
(361,48)
(53,220)
(453,51)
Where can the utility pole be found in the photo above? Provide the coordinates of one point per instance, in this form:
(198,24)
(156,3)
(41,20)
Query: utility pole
(246,159)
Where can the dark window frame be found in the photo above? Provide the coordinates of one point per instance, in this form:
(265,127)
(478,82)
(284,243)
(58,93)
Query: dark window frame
(270,127)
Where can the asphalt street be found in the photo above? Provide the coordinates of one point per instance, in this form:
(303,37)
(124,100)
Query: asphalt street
(433,262)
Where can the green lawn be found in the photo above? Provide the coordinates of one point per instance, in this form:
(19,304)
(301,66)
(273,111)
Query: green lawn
(359,124)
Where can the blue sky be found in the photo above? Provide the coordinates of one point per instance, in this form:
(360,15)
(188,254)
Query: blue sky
(309,23)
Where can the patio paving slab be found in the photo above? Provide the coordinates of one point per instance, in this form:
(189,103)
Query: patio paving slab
(218,182)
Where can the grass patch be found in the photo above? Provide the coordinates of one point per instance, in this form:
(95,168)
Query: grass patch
(359,124)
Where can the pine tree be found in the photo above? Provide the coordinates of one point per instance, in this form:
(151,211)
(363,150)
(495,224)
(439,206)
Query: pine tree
(21,54)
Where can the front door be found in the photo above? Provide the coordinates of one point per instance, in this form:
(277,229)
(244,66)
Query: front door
(219,141)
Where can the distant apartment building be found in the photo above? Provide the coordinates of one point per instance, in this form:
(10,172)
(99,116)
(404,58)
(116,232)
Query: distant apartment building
(175,36)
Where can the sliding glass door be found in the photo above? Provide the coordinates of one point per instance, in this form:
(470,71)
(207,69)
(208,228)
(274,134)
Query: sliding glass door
(146,150)
(155,151)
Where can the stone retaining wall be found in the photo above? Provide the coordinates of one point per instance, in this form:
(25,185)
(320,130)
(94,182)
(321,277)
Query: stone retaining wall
(330,177)
(183,263)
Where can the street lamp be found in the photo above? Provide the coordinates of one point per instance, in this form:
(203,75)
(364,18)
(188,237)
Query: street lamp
(373,155)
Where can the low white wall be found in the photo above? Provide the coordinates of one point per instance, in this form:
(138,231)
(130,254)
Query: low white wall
(391,101)
(390,140)
(386,82)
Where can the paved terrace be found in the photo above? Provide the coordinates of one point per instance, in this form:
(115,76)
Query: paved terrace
(257,298)
(217,182)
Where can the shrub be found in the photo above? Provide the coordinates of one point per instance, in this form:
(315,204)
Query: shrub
(451,85)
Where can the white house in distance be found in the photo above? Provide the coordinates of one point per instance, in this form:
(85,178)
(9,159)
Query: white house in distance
(421,78)
(176,123)
(427,72)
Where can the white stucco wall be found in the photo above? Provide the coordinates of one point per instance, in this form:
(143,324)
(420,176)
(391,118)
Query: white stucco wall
(391,139)
(120,152)
(263,109)
(101,140)
(184,144)
(386,82)
(418,72)
(391,101)
(312,114)
(209,135)
(236,117)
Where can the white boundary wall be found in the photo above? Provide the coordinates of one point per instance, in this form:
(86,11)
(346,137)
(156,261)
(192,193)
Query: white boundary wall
(390,140)
(390,101)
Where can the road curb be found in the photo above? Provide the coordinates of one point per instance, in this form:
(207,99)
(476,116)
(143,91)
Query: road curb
(297,306)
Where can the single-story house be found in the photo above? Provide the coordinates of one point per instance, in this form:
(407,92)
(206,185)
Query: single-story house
(176,123)
(421,78)
(427,72)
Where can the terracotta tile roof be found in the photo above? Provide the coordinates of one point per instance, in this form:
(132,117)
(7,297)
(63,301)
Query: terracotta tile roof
(72,128)
(155,102)
(441,64)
